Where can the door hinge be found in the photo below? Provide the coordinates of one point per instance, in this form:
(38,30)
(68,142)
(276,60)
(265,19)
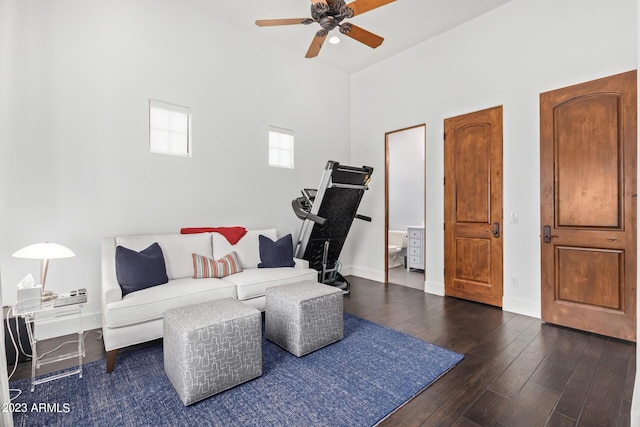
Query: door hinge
(444,181)
(444,226)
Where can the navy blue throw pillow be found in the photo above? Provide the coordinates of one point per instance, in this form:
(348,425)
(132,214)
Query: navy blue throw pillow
(140,270)
(276,254)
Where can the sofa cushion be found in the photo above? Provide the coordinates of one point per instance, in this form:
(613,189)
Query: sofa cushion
(139,270)
(253,282)
(177,249)
(204,267)
(246,249)
(151,303)
(276,254)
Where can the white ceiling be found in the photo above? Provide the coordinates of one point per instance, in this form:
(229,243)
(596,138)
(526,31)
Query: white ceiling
(403,23)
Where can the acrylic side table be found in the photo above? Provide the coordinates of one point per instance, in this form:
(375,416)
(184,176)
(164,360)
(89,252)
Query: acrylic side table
(45,314)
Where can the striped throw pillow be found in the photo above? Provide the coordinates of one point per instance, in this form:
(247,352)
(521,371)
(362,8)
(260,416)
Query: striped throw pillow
(204,267)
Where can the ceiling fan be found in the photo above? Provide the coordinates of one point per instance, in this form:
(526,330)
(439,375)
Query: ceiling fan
(330,14)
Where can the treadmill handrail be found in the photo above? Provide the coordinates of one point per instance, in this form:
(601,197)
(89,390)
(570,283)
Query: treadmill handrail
(303,214)
(351,186)
(356,169)
(317,219)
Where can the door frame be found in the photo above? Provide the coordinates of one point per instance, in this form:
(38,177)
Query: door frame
(386,194)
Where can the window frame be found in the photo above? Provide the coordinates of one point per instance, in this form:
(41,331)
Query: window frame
(184,146)
(283,135)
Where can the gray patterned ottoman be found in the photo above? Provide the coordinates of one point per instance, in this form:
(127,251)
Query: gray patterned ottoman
(303,317)
(211,347)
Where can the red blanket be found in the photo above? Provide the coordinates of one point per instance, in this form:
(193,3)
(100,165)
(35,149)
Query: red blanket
(233,234)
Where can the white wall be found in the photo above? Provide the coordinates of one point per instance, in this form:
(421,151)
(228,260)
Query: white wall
(75,79)
(505,57)
(406,171)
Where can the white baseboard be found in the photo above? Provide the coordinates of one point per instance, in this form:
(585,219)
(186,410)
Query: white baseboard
(346,271)
(434,288)
(525,308)
(512,305)
(376,276)
(635,404)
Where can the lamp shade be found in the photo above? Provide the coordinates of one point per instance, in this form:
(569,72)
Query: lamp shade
(44,250)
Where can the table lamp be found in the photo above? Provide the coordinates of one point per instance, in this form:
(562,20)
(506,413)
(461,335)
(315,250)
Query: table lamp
(44,252)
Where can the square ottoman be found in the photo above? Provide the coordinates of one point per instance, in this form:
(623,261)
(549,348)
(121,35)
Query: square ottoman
(211,347)
(303,317)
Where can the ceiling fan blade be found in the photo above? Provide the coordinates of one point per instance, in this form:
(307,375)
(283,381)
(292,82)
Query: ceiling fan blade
(361,6)
(364,36)
(274,22)
(316,45)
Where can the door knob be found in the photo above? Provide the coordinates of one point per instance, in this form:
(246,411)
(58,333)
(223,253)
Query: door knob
(496,229)
(546,234)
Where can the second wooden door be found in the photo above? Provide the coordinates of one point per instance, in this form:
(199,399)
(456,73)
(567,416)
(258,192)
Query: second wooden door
(473,206)
(589,205)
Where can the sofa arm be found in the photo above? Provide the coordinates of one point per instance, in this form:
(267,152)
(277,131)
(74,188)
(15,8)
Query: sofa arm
(301,263)
(111,290)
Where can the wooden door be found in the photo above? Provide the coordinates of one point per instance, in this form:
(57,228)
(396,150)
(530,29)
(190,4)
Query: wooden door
(588,206)
(473,206)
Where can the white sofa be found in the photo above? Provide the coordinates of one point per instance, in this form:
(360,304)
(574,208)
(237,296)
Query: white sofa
(137,317)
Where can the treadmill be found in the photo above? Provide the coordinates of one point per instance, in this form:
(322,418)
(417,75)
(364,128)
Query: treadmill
(327,214)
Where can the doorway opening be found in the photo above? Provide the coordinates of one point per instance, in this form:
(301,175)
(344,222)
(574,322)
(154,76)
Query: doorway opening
(405,195)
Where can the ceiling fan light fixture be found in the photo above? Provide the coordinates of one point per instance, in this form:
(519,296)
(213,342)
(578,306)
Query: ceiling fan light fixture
(345,28)
(346,12)
(330,14)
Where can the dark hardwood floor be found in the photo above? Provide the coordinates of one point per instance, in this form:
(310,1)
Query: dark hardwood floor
(517,370)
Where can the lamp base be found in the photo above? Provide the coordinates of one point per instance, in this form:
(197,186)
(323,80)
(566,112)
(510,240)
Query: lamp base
(48,296)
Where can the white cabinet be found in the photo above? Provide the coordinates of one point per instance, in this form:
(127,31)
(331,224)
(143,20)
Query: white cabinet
(415,248)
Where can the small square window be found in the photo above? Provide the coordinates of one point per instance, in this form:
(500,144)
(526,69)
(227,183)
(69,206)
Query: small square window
(169,129)
(280,147)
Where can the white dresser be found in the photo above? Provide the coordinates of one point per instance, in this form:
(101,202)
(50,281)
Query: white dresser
(415,248)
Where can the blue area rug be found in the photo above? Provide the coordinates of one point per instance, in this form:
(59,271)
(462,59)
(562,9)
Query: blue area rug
(357,381)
